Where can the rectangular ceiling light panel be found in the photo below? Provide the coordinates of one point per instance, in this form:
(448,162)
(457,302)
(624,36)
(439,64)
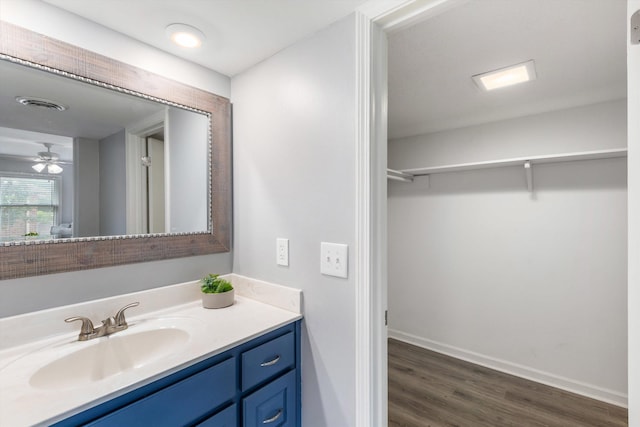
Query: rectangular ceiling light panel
(506,76)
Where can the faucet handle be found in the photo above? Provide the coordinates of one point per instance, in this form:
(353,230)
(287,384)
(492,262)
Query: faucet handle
(119,317)
(87,325)
(109,322)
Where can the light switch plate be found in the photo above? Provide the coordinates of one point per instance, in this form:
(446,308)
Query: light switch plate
(334,259)
(282,252)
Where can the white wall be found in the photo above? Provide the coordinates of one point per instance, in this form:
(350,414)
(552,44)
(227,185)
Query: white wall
(40,292)
(66,203)
(112,164)
(633,71)
(294,177)
(594,127)
(186,166)
(531,284)
(86,179)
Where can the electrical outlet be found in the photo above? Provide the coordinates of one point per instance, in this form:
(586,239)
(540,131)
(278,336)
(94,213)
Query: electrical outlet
(334,259)
(282,252)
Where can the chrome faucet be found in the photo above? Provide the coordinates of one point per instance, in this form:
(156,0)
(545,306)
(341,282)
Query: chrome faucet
(109,326)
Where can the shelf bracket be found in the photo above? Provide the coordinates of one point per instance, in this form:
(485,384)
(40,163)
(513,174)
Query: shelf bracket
(399,176)
(528,172)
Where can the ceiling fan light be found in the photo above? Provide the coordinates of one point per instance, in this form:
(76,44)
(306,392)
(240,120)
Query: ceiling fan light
(48,156)
(39,167)
(53,168)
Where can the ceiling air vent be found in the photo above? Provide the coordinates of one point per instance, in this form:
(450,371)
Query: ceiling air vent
(40,103)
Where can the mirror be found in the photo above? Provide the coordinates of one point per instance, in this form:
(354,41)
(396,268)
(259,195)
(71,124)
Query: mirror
(134,157)
(103,182)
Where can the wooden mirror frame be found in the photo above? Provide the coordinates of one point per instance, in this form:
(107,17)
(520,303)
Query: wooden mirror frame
(31,258)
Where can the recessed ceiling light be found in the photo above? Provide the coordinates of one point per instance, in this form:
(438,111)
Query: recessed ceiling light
(506,76)
(185,35)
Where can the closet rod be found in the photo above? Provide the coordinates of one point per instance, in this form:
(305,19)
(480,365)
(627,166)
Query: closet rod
(564,157)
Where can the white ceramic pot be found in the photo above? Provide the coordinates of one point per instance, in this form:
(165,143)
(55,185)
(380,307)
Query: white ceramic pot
(224,299)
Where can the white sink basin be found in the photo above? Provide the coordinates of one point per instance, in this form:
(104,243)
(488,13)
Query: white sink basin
(77,364)
(109,356)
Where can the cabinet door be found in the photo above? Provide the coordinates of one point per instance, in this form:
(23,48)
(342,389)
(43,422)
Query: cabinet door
(268,360)
(181,403)
(274,405)
(226,418)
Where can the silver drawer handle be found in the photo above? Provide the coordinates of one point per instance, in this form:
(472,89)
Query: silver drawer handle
(271,362)
(274,418)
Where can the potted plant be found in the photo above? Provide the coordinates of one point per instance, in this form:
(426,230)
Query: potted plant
(31,235)
(216,292)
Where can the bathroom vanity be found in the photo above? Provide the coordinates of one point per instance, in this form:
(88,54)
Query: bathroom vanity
(177,364)
(253,384)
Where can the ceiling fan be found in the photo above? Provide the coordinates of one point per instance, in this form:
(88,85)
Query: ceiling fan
(47,159)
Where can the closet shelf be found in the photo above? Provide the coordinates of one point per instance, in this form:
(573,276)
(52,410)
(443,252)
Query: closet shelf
(407,175)
(533,160)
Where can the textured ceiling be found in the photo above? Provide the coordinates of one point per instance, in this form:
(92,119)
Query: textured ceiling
(579,47)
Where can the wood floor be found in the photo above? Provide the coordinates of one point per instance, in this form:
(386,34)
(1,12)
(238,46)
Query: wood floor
(428,389)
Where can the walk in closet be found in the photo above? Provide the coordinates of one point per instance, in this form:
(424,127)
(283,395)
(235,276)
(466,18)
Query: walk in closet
(507,209)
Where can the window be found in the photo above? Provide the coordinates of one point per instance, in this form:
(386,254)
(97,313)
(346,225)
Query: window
(28,205)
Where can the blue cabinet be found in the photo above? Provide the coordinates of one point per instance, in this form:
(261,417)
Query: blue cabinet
(267,360)
(272,405)
(254,384)
(225,418)
(179,404)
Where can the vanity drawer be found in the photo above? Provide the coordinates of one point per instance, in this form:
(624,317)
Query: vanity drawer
(267,360)
(272,405)
(181,403)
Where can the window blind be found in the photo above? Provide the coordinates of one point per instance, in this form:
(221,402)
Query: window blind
(28,205)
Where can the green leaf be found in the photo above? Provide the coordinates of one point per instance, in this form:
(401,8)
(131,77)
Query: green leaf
(212,284)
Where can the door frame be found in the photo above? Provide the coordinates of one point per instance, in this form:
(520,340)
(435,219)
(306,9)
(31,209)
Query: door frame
(374,21)
(633,195)
(135,134)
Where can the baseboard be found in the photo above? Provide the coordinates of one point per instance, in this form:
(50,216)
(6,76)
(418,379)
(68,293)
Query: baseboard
(584,389)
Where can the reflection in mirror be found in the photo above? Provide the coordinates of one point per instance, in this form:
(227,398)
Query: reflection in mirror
(24,258)
(78,160)
(36,185)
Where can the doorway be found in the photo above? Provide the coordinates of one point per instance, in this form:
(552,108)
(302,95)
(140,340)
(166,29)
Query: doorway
(467,197)
(146,175)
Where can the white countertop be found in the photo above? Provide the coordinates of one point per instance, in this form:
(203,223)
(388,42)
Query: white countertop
(210,332)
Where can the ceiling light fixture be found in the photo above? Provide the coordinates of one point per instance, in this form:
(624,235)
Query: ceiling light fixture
(47,159)
(506,76)
(51,168)
(39,167)
(185,35)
